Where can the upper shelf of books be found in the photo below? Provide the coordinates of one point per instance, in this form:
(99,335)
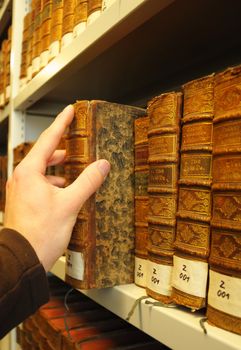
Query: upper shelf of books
(136,49)
(5,14)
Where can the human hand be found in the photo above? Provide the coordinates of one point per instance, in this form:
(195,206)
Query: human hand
(37,206)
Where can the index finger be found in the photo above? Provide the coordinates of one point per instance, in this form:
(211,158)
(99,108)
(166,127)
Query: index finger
(48,141)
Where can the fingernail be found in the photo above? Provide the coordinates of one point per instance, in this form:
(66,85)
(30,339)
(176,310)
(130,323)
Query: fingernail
(68,107)
(103,166)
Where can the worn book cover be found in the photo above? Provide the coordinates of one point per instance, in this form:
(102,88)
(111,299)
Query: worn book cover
(56,28)
(101,249)
(192,241)
(141,199)
(164,112)
(45,30)
(224,304)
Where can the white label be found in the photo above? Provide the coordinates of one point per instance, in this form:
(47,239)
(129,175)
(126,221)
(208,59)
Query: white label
(159,278)
(23,82)
(190,276)
(8,91)
(29,73)
(36,65)
(44,57)
(79,28)
(93,16)
(66,40)
(75,264)
(2,99)
(54,49)
(107,3)
(140,271)
(224,293)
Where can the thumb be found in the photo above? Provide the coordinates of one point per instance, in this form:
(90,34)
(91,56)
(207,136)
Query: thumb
(87,182)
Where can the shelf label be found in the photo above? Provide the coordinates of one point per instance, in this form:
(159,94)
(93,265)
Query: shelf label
(224,293)
(36,65)
(44,58)
(75,264)
(66,39)
(140,271)
(106,4)
(159,278)
(190,276)
(79,28)
(54,49)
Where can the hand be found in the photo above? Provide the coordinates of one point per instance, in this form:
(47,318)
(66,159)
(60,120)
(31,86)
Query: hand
(37,206)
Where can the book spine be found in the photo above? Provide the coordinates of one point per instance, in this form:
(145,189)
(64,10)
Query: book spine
(194,205)
(68,22)
(45,32)
(141,199)
(225,258)
(36,46)
(164,112)
(56,28)
(80,16)
(94,10)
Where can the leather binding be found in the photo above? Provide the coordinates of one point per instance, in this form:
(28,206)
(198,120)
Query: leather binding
(36,46)
(25,41)
(56,28)
(141,199)
(30,46)
(94,10)
(225,258)
(192,243)
(68,21)
(164,112)
(101,249)
(45,32)
(80,16)
(20,151)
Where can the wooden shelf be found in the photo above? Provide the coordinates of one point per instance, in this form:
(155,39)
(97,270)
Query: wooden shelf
(178,328)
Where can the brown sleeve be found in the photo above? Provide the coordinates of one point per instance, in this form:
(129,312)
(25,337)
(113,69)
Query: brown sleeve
(23,281)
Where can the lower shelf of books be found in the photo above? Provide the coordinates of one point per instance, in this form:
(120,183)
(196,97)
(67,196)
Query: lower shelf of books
(175,327)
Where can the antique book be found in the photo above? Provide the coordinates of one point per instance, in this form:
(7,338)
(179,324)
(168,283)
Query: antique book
(101,249)
(80,16)
(30,46)
(36,39)
(94,10)
(20,151)
(25,39)
(192,241)
(164,112)
(224,305)
(141,198)
(56,28)
(68,22)
(45,32)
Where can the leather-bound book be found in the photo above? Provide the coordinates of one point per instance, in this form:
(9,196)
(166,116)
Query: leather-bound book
(164,112)
(68,22)
(25,41)
(141,199)
(30,46)
(224,303)
(36,48)
(101,250)
(192,241)
(80,16)
(94,10)
(45,31)
(56,28)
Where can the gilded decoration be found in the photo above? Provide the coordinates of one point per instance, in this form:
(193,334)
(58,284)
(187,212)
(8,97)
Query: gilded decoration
(226,245)
(192,234)
(227,207)
(194,201)
(160,238)
(162,206)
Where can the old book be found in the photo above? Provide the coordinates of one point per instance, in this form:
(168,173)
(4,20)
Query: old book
(25,40)
(30,46)
(45,32)
(36,39)
(68,22)
(224,306)
(141,199)
(56,28)
(101,249)
(192,241)
(80,16)
(164,112)
(94,10)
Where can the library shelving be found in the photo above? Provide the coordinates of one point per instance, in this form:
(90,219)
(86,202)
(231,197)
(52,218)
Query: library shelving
(133,51)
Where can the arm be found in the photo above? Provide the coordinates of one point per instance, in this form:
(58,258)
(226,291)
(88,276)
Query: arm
(44,213)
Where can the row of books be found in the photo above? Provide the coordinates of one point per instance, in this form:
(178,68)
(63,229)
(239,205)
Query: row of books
(49,26)
(3,180)
(172,196)
(77,322)
(5,52)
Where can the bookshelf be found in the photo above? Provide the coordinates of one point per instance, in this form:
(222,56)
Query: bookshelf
(133,51)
